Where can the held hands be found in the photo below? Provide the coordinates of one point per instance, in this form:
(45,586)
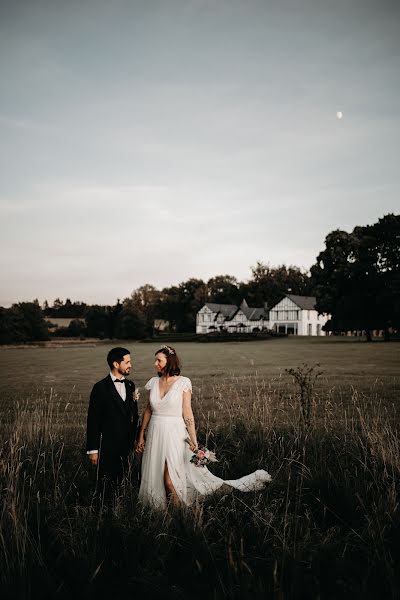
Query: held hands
(140,444)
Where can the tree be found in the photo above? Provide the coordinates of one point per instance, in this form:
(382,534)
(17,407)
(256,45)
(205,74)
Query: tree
(357,277)
(76,328)
(223,289)
(98,322)
(114,313)
(69,310)
(131,321)
(179,304)
(331,275)
(170,308)
(12,325)
(269,284)
(57,305)
(379,253)
(23,322)
(147,300)
(192,295)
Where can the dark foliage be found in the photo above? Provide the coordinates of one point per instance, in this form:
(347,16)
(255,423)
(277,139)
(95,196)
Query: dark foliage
(357,277)
(23,322)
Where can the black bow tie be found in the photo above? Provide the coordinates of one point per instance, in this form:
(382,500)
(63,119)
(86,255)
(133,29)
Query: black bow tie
(119,380)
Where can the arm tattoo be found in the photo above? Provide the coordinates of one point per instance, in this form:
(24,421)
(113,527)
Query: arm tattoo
(189,421)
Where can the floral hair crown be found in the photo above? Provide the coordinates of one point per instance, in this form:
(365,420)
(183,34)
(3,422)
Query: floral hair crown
(168,349)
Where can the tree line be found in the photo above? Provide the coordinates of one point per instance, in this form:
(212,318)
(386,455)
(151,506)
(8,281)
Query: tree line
(356,279)
(137,315)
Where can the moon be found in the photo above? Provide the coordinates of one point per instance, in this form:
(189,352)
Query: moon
(339,114)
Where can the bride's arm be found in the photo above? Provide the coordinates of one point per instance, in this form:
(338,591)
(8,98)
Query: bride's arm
(140,443)
(188,417)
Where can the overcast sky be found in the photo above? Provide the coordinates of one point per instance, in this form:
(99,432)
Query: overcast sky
(152,141)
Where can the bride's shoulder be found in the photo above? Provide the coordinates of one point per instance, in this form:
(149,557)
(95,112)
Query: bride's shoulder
(150,383)
(186,384)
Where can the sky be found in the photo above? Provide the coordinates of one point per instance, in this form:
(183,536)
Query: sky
(154,141)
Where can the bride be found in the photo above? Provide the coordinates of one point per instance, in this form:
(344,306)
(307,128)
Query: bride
(168,421)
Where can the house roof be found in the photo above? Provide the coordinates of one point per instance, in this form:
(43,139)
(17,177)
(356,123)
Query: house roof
(227,310)
(230,310)
(304,302)
(254,314)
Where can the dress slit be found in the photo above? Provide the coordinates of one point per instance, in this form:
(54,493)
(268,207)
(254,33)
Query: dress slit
(173,472)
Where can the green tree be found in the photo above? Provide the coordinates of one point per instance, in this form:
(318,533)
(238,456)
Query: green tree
(269,284)
(98,321)
(179,304)
(132,322)
(192,295)
(357,277)
(223,289)
(147,300)
(23,322)
(76,328)
(12,325)
(170,307)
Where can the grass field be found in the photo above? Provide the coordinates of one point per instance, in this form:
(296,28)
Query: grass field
(70,370)
(327,526)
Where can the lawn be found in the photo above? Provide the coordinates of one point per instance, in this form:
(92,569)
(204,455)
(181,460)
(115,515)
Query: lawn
(71,370)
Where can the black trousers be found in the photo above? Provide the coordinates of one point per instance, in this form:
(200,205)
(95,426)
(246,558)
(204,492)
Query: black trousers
(109,475)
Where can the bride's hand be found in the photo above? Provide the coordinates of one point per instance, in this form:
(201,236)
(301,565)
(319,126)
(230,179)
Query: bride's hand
(140,444)
(193,447)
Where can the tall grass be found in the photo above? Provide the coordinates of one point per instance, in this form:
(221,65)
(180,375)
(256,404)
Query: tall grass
(326,527)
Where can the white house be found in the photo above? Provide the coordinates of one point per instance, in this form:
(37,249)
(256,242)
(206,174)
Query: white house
(297,315)
(293,314)
(231,318)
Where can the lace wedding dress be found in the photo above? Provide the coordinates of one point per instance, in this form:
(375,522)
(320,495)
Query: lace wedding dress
(165,443)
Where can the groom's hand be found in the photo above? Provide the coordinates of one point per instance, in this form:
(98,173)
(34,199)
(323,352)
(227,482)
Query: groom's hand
(94,458)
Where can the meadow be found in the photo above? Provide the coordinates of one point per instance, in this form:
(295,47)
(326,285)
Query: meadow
(328,526)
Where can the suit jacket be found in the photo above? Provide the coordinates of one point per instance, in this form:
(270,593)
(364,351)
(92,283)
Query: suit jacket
(112,422)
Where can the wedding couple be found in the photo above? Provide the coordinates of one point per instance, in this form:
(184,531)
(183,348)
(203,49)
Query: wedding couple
(166,436)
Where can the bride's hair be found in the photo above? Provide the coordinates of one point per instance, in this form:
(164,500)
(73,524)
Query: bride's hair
(173,366)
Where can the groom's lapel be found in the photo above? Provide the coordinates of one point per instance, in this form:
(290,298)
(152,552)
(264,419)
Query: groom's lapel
(115,396)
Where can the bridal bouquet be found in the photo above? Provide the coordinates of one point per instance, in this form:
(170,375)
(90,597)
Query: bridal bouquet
(203,456)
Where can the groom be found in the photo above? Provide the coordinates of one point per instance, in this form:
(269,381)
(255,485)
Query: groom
(112,419)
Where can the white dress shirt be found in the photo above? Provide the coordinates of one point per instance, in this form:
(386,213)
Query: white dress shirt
(119,386)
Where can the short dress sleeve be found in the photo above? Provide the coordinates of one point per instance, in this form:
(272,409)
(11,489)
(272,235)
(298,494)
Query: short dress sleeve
(186,384)
(149,384)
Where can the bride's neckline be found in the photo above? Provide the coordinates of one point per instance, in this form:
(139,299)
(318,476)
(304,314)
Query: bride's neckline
(169,389)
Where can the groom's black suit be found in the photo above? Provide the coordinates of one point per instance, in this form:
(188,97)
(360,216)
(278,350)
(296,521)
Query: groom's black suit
(111,426)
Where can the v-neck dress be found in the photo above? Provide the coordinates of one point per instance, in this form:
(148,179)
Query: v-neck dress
(165,444)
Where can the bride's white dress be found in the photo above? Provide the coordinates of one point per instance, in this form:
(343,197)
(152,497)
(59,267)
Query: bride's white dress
(165,443)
